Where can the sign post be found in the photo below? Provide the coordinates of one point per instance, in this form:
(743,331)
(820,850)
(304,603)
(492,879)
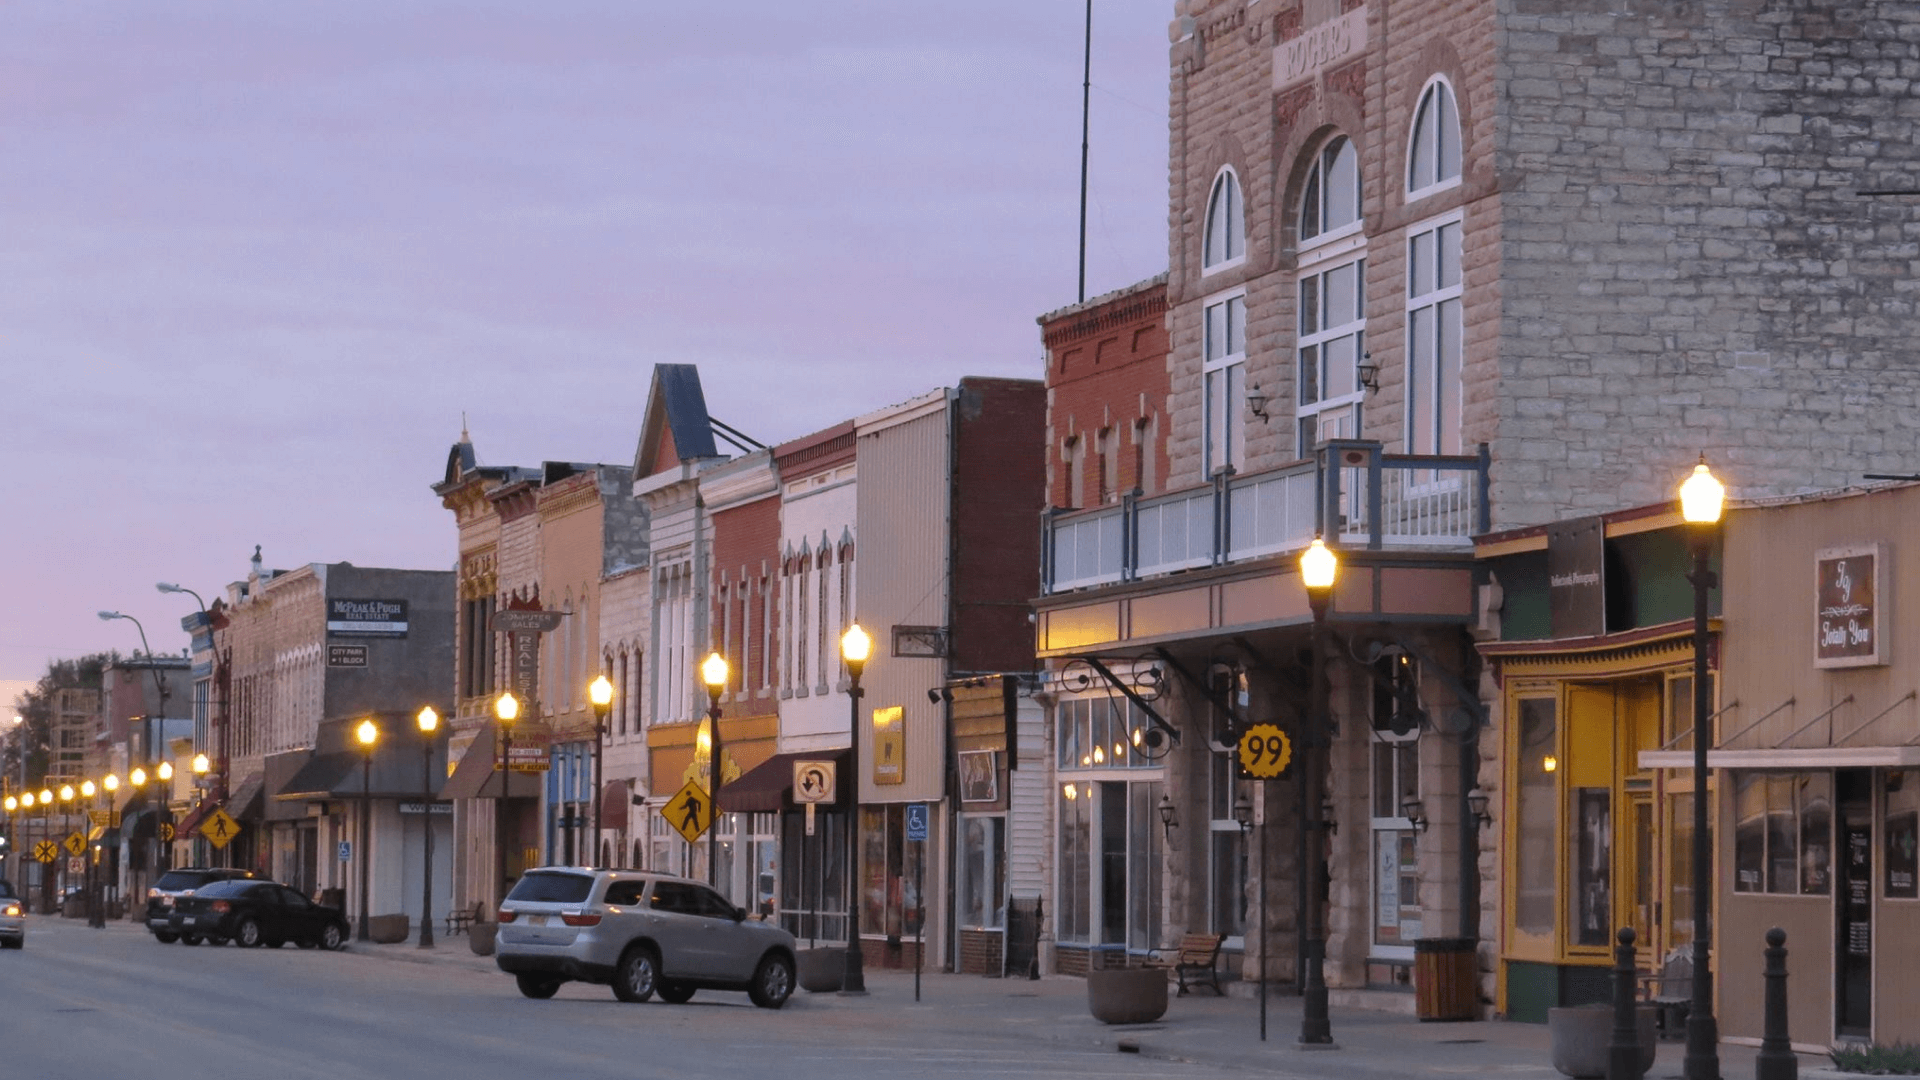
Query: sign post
(917,834)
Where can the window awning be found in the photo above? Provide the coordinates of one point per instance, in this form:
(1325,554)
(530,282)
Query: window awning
(183,829)
(764,789)
(1812,757)
(474,777)
(615,805)
(244,801)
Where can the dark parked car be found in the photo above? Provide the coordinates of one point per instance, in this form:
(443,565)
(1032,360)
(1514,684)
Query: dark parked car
(256,912)
(13,918)
(175,884)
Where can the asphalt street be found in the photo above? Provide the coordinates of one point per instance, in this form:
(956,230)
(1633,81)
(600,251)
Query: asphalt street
(83,1004)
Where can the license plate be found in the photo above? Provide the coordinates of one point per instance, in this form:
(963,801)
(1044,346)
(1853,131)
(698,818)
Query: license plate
(192,920)
(536,920)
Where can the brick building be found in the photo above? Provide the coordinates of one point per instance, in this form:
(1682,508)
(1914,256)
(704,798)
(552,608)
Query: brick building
(1441,272)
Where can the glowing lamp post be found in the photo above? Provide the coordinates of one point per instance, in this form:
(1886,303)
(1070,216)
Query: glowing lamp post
(856,647)
(600,693)
(506,709)
(714,672)
(429,722)
(1701,499)
(1319,569)
(367,734)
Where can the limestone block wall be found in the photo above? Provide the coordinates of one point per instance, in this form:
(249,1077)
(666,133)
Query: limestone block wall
(1687,265)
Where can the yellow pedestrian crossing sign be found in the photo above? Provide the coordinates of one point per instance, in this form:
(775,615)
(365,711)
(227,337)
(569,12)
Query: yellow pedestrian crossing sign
(46,851)
(219,828)
(691,811)
(75,844)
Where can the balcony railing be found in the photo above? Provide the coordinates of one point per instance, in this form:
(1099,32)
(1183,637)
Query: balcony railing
(1353,493)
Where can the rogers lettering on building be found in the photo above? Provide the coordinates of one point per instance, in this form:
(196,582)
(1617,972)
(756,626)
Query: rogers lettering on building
(1846,633)
(1318,48)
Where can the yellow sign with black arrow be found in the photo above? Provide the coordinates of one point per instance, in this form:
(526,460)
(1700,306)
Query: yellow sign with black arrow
(1265,751)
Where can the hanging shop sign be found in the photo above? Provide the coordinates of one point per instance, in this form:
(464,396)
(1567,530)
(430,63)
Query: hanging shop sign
(1847,629)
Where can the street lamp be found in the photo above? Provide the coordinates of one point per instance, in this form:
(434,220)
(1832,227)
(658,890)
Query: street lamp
(1701,500)
(156,740)
(600,693)
(506,709)
(429,722)
(856,645)
(1319,568)
(367,734)
(713,672)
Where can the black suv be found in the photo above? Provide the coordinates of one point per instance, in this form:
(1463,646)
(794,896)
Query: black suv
(178,883)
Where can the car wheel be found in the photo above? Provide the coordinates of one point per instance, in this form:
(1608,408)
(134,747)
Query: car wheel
(538,987)
(247,934)
(190,939)
(165,937)
(772,982)
(333,937)
(635,975)
(674,993)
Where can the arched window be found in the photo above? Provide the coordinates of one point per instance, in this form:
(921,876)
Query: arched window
(1433,157)
(1332,202)
(1226,223)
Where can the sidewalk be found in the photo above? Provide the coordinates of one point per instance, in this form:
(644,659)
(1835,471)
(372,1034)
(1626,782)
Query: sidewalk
(1198,1028)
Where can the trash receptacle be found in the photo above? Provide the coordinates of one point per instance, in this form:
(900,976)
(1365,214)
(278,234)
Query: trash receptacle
(1445,978)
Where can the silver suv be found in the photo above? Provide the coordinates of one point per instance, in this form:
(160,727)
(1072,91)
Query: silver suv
(639,932)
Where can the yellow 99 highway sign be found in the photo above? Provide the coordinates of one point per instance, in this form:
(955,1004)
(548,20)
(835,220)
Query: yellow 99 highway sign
(1265,751)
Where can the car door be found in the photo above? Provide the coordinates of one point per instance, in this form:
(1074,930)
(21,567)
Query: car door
(727,942)
(686,950)
(296,914)
(263,903)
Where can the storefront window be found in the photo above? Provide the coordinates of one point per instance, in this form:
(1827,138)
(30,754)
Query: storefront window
(813,880)
(1592,897)
(1903,832)
(983,873)
(1536,813)
(1227,879)
(1783,833)
(1076,869)
(1110,855)
(890,866)
(1680,870)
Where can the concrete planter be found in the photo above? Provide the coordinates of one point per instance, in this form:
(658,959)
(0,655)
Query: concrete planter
(480,937)
(387,929)
(1579,1038)
(821,971)
(1127,995)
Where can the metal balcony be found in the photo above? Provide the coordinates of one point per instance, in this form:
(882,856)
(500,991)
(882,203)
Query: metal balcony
(1353,493)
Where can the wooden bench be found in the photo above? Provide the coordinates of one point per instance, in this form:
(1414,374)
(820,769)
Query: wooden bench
(458,922)
(1196,959)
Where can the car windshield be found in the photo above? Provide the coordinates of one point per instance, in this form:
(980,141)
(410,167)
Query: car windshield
(231,887)
(552,888)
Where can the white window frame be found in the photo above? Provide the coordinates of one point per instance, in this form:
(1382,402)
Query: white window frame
(1316,184)
(1223,410)
(1396,825)
(1437,91)
(1425,389)
(1225,181)
(1334,257)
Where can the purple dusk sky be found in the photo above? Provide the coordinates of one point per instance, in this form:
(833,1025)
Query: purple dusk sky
(260,257)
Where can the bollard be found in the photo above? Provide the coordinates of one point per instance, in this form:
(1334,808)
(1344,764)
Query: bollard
(1623,1053)
(1776,1060)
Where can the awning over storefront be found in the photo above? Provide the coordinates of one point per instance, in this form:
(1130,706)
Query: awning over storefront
(475,778)
(1813,757)
(244,801)
(318,777)
(279,773)
(183,829)
(615,805)
(765,788)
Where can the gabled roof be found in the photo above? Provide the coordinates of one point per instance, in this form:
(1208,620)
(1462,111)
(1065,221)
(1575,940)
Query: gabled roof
(677,427)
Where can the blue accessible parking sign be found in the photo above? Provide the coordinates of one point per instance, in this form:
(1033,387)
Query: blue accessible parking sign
(346,851)
(917,822)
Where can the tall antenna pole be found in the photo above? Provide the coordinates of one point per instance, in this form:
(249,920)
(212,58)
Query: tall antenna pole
(1086,113)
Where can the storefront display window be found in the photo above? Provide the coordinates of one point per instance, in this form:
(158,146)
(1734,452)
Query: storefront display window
(983,873)
(1903,833)
(1228,879)
(1536,814)
(1396,875)
(889,873)
(813,879)
(1110,854)
(1783,833)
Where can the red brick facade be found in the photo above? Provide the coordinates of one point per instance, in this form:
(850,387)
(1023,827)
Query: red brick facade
(1107,397)
(999,489)
(746,572)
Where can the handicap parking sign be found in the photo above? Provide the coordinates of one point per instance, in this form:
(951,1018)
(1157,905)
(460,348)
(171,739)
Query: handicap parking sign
(917,822)
(346,851)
